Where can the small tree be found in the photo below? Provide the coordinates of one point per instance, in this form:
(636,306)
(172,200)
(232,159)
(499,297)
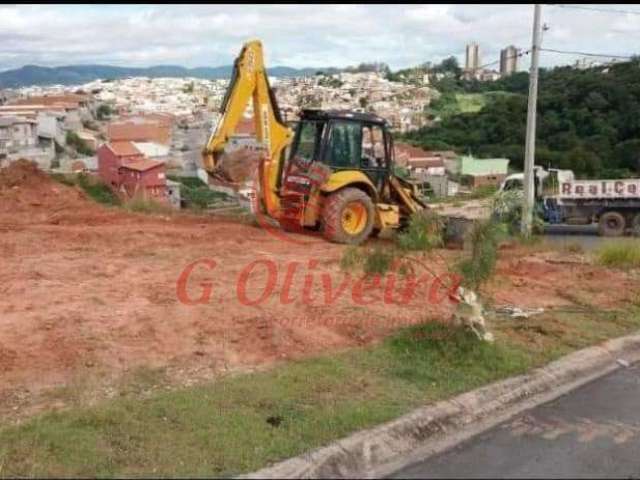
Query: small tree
(103,112)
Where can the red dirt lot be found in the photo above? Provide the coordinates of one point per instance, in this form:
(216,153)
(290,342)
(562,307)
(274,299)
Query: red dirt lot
(91,291)
(87,288)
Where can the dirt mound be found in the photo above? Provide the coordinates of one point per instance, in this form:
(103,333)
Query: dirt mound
(22,173)
(28,195)
(240,165)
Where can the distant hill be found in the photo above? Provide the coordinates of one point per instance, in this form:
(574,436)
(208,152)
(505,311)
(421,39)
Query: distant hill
(78,74)
(588,120)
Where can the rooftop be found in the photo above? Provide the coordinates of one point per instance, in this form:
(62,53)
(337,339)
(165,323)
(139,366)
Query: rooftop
(483,166)
(143,165)
(8,121)
(69,99)
(139,132)
(123,149)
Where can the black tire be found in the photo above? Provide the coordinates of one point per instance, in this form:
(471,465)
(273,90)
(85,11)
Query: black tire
(611,224)
(332,214)
(635,226)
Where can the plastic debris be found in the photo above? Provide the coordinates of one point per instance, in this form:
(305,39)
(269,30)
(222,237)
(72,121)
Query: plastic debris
(517,312)
(623,363)
(470,314)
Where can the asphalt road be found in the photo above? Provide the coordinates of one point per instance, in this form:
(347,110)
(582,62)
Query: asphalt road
(591,432)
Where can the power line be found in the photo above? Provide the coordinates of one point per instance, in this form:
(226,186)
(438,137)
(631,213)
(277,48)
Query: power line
(596,9)
(586,54)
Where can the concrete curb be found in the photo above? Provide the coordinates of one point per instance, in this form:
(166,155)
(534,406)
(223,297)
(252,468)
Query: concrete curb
(429,430)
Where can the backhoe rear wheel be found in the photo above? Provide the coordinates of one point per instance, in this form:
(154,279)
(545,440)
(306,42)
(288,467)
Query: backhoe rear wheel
(347,216)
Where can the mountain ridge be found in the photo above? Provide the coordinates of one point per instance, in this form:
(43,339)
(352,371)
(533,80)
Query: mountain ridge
(35,75)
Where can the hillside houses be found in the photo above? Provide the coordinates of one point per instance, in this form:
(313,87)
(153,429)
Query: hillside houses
(131,174)
(403,105)
(19,138)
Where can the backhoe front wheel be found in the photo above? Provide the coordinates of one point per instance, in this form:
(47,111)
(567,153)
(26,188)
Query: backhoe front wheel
(347,216)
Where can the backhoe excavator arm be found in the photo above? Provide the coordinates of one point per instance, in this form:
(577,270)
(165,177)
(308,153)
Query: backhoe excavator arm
(249,81)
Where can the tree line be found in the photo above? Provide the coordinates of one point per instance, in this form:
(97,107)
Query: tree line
(588,120)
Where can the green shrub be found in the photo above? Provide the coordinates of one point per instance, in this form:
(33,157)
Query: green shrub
(484,238)
(620,254)
(352,258)
(506,207)
(379,260)
(103,112)
(97,190)
(64,179)
(424,232)
(196,194)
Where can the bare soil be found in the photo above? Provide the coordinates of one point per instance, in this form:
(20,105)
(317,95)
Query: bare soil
(94,292)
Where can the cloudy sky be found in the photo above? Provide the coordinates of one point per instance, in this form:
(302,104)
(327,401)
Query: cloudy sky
(300,35)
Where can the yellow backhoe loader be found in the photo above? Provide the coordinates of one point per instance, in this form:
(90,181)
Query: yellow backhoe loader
(338,173)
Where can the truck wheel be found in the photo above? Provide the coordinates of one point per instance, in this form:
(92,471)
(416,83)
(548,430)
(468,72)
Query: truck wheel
(611,224)
(347,216)
(635,226)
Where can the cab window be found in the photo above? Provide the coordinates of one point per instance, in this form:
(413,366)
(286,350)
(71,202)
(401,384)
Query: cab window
(345,144)
(373,148)
(307,143)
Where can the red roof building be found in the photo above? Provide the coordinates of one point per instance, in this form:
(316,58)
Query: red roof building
(147,131)
(417,158)
(112,156)
(130,174)
(145,179)
(68,100)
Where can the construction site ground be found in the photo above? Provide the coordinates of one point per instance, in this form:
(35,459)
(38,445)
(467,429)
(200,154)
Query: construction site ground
(91,296)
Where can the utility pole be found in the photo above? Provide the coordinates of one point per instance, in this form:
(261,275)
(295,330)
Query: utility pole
(530,142)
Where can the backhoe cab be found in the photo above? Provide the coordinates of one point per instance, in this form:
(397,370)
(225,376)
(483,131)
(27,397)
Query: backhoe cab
(338,176)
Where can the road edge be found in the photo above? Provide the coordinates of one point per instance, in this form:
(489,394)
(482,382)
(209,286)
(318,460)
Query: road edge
(429,430)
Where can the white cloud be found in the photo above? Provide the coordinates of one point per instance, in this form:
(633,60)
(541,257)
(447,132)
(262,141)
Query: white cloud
(296,35)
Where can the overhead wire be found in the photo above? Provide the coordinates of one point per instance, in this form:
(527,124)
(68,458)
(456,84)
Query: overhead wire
(596,9)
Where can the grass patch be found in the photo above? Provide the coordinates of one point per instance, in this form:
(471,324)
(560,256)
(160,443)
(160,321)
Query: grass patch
(623,254)
(450,104)
(197,195)
(352,258)
(244,422)
(97,190)
(379,260)
(239,424)
(140,205)
(94,188)
(63,179)
(470,102)
(376,260)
